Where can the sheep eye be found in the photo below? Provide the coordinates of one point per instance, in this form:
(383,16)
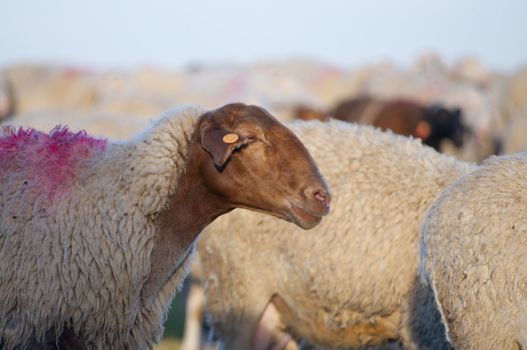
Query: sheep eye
(239,147)
(255,138)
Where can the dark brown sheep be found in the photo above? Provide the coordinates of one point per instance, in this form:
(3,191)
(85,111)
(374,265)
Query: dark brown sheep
(432,124)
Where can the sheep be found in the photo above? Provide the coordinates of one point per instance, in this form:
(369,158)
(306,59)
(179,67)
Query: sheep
(6,98)
(39,88)
(304,112)
(100,124)
(351,282)
(432,124)
(473,257)
(95,237)
(509,94)
(514,138)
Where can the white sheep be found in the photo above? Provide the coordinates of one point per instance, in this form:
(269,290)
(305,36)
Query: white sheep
(473,256)
(100,124)
(6,98)
(350,282)
(96,236)
(514,137)
(42,87)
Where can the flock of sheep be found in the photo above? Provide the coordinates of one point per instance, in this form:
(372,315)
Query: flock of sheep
(420,249)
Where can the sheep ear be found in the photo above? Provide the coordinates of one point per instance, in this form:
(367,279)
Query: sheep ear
(423,130)
(220,143)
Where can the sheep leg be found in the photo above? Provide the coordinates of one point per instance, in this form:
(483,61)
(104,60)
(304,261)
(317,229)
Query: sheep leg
(270,335)
(194,318)
(423,325)
(239,325)
(257,328)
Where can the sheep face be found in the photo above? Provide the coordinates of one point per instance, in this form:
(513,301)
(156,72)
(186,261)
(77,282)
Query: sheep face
(445,124)
(254,162)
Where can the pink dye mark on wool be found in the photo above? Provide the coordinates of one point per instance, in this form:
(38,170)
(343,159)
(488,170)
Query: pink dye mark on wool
(50,161)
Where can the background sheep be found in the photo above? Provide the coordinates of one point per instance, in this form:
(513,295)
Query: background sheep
(473,256)
(515,134)
(432,124)
(101,124)
(488,98)
(96,236)
(38,88)
(349,283)
(118,102)
(6,98)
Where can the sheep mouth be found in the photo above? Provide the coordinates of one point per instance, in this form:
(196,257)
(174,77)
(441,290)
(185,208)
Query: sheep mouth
(303,218)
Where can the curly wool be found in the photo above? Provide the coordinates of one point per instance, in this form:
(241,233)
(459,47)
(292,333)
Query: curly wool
(50,160)
(77,228)
(352,277)
(473,255)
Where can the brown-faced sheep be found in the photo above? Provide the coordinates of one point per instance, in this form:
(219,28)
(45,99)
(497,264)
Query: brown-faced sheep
(96,236)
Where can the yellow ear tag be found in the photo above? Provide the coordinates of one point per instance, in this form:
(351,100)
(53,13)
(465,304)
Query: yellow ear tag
(230,138)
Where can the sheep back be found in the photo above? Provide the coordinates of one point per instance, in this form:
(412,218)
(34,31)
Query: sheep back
(77,229)
(358,266)
(473,255)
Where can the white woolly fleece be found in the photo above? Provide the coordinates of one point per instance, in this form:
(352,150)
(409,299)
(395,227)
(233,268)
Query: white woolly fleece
(78,256)
(473,253)
(351,278)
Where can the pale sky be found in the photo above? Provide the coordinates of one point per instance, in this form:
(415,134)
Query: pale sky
(172,34)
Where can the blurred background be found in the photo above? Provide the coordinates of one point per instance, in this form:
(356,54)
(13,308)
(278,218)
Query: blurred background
(111,66)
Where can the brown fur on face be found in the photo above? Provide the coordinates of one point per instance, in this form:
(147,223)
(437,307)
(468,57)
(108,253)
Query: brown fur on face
(264,168)
(268,169)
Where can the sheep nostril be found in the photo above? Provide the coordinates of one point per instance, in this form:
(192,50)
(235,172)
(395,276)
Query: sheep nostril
(323,197)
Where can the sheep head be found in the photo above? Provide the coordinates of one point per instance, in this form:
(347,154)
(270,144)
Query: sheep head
(445,124)
(252,161)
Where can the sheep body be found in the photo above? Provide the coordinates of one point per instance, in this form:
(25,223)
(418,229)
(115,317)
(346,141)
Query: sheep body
(473,255)
(6,98)
(100,124)
(350,281)
(515,134)
(39,87)
(64,201)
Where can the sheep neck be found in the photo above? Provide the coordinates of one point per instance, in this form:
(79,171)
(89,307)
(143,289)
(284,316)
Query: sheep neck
(191,209)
